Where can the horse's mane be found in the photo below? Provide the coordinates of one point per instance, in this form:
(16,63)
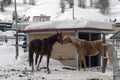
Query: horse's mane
(51,39)
(76,38)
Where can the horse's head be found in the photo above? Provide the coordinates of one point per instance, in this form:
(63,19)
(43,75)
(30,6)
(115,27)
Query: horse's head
(59,37)
(66,40)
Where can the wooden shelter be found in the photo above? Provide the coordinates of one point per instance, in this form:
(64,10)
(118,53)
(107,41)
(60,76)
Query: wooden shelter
(89,30)
(117,26)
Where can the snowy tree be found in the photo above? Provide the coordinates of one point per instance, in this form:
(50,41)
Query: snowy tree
(71,3)
(97,5)
(91,3)
(82,3)
(62,5)
(13,15)
(79,3)
(24,1)
(7,2)
(94,3)
(104,6)
(32,2)
(2,5)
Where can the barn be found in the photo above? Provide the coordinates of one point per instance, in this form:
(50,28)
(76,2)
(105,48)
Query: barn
(89,30)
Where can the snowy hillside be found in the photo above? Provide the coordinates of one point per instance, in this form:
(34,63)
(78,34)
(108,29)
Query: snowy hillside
(52,8)
(115,9)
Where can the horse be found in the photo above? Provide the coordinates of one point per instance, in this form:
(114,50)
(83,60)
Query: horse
(85,48)
(42,47)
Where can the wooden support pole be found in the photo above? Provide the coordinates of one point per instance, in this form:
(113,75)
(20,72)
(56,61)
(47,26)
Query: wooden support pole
(104,60)
(17,52)
(76,55)
(90,39)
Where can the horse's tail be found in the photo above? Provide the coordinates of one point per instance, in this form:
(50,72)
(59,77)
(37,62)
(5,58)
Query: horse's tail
(31,52)
(110,51)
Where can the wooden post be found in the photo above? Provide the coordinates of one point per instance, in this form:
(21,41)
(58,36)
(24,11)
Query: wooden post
(16,30)
(76,55)
(104,61)
(90,39)
(73,11)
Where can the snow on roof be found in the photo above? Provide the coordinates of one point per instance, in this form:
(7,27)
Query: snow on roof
(69,24)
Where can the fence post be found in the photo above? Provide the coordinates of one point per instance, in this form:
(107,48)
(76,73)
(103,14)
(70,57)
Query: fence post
(17,52)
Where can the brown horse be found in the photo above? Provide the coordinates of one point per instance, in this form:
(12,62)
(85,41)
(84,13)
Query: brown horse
(42,47)
(84,48)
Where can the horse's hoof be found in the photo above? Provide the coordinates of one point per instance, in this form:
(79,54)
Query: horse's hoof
(32,70)
(78,69)
(48,72)
(84,69)
(38,69)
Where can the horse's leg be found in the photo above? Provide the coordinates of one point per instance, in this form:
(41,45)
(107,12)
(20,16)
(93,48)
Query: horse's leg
(79,61)
(84,63)
(31,59)
(48,57)
(79,64)
(39,61)
(32,66)
(37,55)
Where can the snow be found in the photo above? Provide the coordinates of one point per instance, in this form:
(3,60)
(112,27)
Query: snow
(47,7)
(51,8)
(91,14)
(69,24)
(8,33)
(12,69)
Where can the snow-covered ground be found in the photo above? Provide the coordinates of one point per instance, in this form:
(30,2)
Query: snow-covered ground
(12,69)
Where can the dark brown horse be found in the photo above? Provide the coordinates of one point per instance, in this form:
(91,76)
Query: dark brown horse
(86,48)
(42,47)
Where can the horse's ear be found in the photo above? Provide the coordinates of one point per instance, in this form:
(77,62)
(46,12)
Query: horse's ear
(59,32)
(68,37)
